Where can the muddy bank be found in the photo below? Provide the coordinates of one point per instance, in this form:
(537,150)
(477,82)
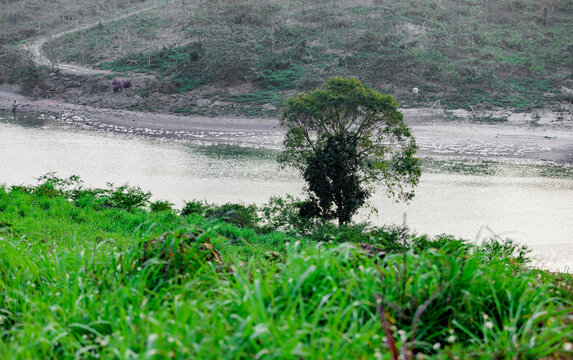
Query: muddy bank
(520,137)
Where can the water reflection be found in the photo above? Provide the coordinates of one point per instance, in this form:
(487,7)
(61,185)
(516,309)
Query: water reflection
(23,120)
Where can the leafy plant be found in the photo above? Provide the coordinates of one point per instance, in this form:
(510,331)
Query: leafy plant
(172,257)
(161,205)
(283,214)
(94,274)
(193,207)
(241,215)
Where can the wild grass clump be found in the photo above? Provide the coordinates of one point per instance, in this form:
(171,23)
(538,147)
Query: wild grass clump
(93,281)
(172,257)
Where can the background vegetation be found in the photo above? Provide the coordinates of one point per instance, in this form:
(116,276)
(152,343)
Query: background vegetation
(22,20)
(515,54)
(88,273)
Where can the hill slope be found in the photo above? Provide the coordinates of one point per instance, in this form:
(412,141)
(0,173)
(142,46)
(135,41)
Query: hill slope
(247,56)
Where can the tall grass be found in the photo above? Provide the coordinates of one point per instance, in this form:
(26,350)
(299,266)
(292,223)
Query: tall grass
(81,280)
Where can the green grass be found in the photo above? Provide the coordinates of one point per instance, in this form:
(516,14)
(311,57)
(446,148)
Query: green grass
(76,282)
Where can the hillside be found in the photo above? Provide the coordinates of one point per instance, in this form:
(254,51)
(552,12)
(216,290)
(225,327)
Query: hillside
(225,57)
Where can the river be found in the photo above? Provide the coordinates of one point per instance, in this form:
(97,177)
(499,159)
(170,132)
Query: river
(510,201)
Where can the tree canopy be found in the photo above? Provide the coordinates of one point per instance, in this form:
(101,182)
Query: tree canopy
(345,138)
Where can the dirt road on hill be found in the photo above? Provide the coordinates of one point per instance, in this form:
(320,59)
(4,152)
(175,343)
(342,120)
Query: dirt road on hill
(37,54)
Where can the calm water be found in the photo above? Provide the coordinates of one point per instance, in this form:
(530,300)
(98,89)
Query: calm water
(537,211)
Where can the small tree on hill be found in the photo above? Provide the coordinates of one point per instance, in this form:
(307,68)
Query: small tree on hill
(346,138)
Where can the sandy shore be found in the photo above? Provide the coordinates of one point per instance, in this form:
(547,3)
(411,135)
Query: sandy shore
(550,137)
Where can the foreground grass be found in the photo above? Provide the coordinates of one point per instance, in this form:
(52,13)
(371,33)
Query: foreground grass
(76,284)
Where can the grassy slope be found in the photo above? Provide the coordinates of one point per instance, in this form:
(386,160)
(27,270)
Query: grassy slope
(21,20)
(74,284)
(24,19)
(509,54)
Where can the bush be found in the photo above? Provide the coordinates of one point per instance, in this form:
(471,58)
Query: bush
(161,205)
(230,53)
(241,215)
(16,67)
(126,197)
(193,207)
(172,257)
(47,189)
(497,248)
(283,214)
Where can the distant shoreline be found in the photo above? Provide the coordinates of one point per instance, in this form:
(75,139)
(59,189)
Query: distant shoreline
(545,140)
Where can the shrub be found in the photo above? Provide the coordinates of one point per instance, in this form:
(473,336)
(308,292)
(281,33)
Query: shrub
(17,68)
(497,248)
(126,197)
(193,207)
(230,53)
(283,214)
(241,215)
(47,189)
(172,257)
(161,205)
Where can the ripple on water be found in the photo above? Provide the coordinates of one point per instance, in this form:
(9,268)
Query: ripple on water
(458,197)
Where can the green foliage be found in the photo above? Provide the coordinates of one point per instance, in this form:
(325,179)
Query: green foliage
(98,41)
(345,137)
(83,282)
(332,174)
(125,197)
(495,248)
(230,53)
(161,205)
(17,68)
(462,53)
(283,214)
(193,207)
(237,214)
(174,257)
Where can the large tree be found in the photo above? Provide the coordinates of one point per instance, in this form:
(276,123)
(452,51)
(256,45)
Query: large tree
(346,138)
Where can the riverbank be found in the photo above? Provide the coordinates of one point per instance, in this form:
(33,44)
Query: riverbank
(94,273)
(547,137)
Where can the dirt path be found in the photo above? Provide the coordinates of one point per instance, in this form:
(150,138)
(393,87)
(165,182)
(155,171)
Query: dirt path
(35,47)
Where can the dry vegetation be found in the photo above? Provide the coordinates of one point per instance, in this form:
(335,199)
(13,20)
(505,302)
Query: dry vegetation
(506,54)
(24,19)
